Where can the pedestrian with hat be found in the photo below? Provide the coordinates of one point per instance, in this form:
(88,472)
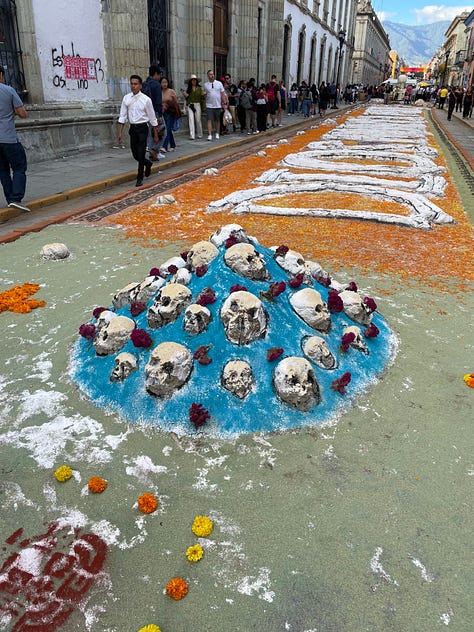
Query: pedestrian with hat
(194,100)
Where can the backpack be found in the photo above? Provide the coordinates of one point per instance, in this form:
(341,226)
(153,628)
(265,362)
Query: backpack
(245,100)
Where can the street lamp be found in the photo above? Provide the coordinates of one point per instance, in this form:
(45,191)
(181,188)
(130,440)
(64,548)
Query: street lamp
(341,37)
(445,67)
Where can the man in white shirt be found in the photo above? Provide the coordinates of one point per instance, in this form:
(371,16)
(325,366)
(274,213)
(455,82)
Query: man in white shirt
(138,110)
(216,97)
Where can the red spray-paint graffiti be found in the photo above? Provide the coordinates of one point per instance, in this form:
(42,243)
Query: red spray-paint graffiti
(45,577)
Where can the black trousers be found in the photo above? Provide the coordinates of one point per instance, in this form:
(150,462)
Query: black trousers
(138,138)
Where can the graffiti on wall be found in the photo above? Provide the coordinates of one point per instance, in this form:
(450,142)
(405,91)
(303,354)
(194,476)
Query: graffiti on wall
(72,67)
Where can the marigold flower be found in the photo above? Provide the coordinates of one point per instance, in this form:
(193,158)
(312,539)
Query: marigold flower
(147,503)
(469,379)
(63,473)
(97,485)
(202,526)
(194,553)
(150,628)
(176,588)
(16,299)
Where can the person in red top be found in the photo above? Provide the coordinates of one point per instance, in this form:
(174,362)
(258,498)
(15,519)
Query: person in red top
(273,95)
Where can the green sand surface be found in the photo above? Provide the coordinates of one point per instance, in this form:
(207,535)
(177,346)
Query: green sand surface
(365,525)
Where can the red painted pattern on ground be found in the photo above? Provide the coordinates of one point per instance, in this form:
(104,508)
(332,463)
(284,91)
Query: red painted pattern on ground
(44,579)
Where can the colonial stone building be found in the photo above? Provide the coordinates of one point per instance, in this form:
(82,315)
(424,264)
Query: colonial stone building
(370,61)
(318,41)
(71,62)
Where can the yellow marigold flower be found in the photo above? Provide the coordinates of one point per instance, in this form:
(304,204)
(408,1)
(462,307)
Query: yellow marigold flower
(469,379)
(176,588)
(97,485)
(194,553)
(202,526)
(150,628)
(147,503)
(63,473)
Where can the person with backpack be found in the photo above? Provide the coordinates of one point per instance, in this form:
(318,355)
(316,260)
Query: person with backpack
(273,99)
(137,109)
(151,87)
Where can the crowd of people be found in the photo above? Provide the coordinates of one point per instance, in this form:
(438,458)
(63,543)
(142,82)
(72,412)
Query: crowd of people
(248,107)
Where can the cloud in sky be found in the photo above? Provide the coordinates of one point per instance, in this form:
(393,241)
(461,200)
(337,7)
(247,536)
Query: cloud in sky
(435,13)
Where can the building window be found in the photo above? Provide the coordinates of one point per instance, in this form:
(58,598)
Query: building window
(10,51)
(158,33)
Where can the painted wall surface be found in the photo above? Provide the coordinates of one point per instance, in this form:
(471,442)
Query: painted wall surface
(70,48)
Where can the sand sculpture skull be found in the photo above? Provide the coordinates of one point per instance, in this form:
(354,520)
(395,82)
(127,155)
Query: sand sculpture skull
(146,289)
(125,364)
(243,259)
(104,319)
(237,377)
(243,317)
(311,308)
(201,254)
(294,263)
(196,319)
(170,301)
(229,230)
(316,349)
(113,335)
(168,368)
(124,296)
(358,343)
(355,308)
(295,383)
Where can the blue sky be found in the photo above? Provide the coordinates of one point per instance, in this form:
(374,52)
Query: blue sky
(416,12)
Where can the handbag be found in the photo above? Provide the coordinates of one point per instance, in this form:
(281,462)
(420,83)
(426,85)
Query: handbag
(227,118)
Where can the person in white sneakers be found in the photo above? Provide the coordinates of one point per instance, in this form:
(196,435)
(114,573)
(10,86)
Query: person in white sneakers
(12,154)
(216,97)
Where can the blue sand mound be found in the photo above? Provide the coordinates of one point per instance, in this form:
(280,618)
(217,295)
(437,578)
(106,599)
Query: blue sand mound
(261,410)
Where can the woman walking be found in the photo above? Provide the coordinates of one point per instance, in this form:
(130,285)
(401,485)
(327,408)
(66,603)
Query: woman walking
(283,101)
(293,99)
(171,113)
(194,100)
(262,108)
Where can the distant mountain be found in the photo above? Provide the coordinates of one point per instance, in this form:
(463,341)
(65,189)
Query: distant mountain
(416,45)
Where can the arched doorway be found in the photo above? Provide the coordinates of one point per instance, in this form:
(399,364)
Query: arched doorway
(221,37)
(158,33)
